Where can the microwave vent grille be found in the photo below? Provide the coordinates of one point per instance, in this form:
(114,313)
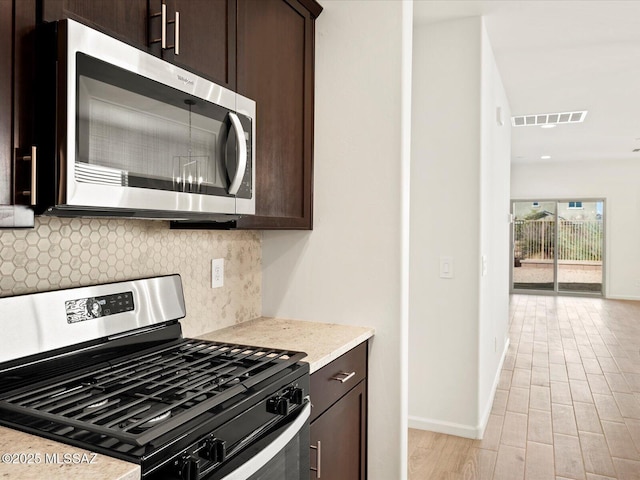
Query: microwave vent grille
(88,173)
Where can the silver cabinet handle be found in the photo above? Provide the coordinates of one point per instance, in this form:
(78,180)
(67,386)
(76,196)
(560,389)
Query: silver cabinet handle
(318,468)
(241,143)
(163,19)
(343,376)
(176,29)
(33,158)
(163,16)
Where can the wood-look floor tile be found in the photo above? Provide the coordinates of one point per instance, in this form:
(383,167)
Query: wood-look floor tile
(619,440)
(505,380)
(628,405)
(560,393)
(598,384)
(568,456)
(540,398)
(510,463)
(576,371)
(492,434)
(540,376)
(580,391)
(607,408)
(595,454)
(591,365)
(539,463)
(556,357)
(601,351)
(540,359)
(479,464)
(558,373)
(587,417)
(593,476)
(514,430)
(524,360)
(572,356)
(586,351)
(617,382)
(633,380)
(633,426)
(540,427)
(521,378)
(608,365)
(518,400)
(563,419)
(500,402)
(627,469)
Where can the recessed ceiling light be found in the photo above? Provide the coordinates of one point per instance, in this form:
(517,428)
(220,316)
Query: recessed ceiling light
(549,125)
(538,119)
(545,157)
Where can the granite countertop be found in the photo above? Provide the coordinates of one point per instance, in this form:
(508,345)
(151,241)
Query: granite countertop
(35,458)
(29,457)
(322,342)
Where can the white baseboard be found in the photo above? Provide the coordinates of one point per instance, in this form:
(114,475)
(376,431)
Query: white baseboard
(458,429)
(449,428)
(622,297)
(487,411)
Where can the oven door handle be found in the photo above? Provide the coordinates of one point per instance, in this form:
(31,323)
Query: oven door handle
(241,146)
(270,451)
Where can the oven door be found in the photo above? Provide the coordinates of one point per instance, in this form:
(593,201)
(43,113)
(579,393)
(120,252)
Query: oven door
(282,454)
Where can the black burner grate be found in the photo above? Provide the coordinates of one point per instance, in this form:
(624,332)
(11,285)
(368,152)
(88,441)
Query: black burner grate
(138,400)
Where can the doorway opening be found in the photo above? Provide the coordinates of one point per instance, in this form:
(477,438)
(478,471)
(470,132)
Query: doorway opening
(558,246)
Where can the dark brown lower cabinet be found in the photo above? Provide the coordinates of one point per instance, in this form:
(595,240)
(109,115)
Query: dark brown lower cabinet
(339,438)
(339,418)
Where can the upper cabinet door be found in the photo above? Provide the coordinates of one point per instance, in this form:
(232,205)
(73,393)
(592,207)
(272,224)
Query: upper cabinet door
(275,68)
(6,74)
(125,20)
(206,42)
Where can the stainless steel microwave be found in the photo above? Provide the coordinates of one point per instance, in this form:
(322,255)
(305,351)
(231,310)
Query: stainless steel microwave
(122,133)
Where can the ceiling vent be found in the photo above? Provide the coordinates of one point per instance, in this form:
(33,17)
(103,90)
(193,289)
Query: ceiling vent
(548,119)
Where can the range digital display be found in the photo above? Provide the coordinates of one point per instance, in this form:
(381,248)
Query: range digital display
(90,308)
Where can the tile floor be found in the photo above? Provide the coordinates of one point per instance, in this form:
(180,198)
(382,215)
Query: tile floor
(567,404)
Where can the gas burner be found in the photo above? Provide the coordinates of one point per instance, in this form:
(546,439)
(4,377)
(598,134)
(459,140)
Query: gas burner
(99,405)
(156,420)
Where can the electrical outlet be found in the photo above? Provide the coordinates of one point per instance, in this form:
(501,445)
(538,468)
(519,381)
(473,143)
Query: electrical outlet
(217,272)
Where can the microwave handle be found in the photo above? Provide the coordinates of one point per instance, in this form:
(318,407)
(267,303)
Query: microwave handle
(241,143)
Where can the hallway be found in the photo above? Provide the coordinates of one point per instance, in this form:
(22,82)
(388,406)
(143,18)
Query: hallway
(567,404)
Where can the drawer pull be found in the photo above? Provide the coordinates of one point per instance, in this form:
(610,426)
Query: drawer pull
(318,459)
(342,377)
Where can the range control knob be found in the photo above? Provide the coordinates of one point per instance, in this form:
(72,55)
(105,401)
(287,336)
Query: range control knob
(188,467)
(295,395)
(214,450)
(278,405)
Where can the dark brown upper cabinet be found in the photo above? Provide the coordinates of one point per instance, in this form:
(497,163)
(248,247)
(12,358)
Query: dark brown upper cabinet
(206,37)
(124,20)
(199,35)
(275,67)
(17,19)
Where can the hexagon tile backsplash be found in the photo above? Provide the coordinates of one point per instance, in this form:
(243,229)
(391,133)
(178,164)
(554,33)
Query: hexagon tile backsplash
(62,252)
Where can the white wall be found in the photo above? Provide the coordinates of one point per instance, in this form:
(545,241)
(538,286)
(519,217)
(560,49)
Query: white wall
(618,182)
(494,230)
(459,208)
(349,269)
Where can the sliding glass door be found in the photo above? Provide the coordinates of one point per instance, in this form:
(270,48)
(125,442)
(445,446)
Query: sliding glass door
(558,246)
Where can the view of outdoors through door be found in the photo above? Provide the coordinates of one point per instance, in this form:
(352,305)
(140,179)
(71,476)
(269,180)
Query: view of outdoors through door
(558,246)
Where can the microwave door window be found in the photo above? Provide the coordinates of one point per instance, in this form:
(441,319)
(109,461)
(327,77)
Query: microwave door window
(137,133)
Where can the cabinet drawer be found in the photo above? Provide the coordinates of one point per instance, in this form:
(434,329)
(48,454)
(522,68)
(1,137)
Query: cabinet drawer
(334,380)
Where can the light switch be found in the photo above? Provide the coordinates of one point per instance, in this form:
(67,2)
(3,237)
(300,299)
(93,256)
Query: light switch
(446,267)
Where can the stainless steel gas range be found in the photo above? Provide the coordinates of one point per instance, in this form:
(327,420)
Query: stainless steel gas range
(106,368)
